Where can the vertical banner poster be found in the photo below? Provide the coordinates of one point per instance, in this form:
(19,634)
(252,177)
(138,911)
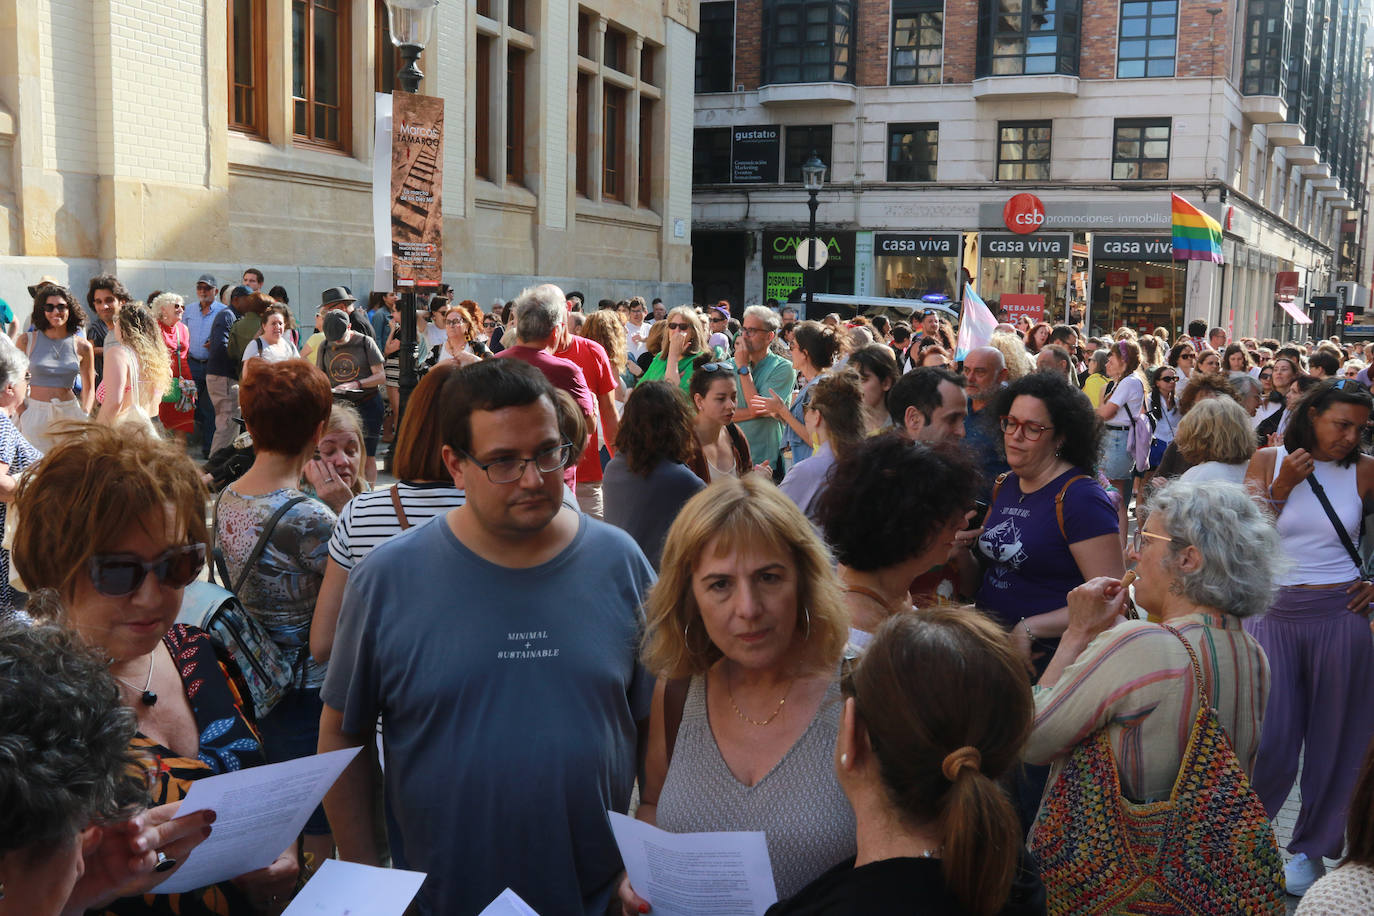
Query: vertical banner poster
(417,178)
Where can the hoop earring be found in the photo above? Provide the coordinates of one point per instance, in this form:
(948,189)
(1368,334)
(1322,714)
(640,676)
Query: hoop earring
(686,631)
(807,612)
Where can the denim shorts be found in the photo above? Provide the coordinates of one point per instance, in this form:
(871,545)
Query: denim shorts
(1116,457)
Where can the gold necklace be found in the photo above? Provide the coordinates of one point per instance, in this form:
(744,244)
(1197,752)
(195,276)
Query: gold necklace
(731,694)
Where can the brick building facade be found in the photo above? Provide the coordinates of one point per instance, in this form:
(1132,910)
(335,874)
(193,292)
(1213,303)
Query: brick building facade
(931,115)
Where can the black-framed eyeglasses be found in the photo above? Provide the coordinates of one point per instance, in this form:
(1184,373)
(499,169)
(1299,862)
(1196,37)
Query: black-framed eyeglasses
(116,575)
(509,470)
(54,306)
(1032,431)
(752,331)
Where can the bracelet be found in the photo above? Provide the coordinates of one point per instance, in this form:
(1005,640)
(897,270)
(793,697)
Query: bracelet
(1026,626)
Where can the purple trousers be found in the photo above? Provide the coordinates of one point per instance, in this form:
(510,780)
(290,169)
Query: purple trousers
(1321,660)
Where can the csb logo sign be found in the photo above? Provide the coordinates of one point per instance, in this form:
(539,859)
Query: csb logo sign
(1023,214)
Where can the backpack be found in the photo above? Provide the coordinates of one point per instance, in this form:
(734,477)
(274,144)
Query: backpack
(268,669)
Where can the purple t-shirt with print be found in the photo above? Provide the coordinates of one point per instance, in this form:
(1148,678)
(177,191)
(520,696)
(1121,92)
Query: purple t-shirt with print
(1031,568)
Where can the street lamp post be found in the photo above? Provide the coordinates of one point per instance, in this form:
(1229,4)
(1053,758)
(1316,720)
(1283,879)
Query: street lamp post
(410,22)
(813,179)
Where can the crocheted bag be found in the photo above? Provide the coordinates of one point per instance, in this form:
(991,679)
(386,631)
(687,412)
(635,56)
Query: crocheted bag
(1209,849)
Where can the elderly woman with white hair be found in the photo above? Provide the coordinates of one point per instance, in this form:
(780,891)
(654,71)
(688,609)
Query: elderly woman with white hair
(16,453)
(177,412)
(1205,557)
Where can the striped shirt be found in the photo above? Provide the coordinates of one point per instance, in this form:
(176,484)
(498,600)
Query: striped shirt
(1136,680)
(370,518)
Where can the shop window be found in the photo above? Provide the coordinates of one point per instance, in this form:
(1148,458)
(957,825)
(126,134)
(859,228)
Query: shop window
(515,115)
(1027,37)
(799,144)
(1023,150)
(1140,150)
(319,69)
(614,53)
(716,48)
(247,66)
(808,41)
(1267,29)
(917,41)
(1148,39)
(912,151)
(613,144)
(584,113)
(646,152)
(711,155)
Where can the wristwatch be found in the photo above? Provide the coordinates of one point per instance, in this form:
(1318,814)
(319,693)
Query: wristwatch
(743,370)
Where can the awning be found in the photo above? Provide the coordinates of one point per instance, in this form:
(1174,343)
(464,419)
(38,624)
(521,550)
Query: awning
(1296,312)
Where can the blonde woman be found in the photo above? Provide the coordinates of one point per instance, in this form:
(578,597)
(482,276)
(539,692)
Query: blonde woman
(1019,362)
(337,474)
(137,369)
(606,327)
(686,338)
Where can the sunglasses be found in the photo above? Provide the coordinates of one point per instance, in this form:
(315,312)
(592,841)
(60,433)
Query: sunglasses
(116,575)
(1168,378)
(54,306)
(678,326)
(714,367)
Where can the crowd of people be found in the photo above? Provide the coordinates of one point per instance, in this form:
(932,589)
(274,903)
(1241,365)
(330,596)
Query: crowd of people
(1050,625)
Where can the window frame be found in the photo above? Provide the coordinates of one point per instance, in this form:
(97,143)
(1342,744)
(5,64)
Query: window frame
(482,55)
(343,32)
(257,125)
(644,151)
(703,61)
(1141,125)
(615,102)
(916,9)
(895,130)
(1147,39)
(841,54)
(702,174)
(791,174)
(516,75)
(1024,161)
(1065,55)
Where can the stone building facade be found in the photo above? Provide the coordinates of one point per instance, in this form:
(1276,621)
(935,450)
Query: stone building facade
(160,139)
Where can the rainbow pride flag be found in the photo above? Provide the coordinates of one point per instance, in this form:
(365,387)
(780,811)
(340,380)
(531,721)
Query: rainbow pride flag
(1197,237)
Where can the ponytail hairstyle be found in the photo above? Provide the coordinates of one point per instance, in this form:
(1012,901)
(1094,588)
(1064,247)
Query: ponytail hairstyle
(818,341)
(1129,353)
(946,706)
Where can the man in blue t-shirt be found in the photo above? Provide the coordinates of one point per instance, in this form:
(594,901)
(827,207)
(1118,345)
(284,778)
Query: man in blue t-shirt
(507,674)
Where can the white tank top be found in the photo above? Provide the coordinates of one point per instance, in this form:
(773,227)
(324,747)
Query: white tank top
(1309,538)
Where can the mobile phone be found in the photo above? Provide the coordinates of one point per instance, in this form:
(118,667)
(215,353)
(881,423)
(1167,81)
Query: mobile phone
(980,512)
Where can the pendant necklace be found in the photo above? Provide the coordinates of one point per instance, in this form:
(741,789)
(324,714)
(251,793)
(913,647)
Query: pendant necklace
(147,698)
(731,694)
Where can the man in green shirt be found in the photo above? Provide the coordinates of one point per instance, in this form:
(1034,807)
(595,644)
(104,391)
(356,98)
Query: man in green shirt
(760,371)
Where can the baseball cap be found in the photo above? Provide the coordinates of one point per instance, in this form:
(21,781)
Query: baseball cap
(335,325)
(240,291)
(208,280)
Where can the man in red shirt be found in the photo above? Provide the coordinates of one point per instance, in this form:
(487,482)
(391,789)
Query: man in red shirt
(540,322)
(596,367)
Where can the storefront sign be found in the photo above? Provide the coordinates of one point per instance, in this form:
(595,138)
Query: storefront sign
(754,154)
(1002,245)
(943,245)
(1124,212)
(1032,305)
(1132,247)
(780,274)
(1286,284)
(417,179)
(1023,214)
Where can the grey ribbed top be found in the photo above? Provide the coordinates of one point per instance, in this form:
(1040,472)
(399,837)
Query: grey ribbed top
(798,805)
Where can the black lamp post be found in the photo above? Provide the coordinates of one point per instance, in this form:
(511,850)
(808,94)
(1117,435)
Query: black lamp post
(410,22)
(813,179)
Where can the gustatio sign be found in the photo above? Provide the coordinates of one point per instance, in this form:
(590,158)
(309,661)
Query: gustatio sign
(1023,214)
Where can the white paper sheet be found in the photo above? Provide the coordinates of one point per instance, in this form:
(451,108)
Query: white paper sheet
(508,904)
(258,813)
(350,889)
(696,874)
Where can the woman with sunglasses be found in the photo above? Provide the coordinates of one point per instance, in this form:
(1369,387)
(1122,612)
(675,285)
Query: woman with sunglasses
(1270,399)
(177,416)
(745,630)
(286,407)
(1183,357)
(58,357)
(137,506)
(920,761)
(1316,633)
(685,340)
(1164,410)
(722,449)
(1135,679)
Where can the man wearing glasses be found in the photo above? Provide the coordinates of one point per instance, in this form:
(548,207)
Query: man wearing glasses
(637,329)
(508,672)
(760,372)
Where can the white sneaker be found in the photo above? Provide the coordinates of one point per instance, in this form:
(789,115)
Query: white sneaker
(1301,872)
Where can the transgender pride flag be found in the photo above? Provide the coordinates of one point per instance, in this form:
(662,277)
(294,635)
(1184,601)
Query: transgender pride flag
(1197,237)
(976,324)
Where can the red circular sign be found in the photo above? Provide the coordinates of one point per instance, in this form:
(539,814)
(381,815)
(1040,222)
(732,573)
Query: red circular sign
(1024,213)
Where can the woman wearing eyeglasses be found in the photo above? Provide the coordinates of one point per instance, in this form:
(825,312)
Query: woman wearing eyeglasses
(1164,409)
(1183,357)
(460,343)
(1135,681)
(114,523)
(1051,526)
(1270,399)
(1317,631)
(58,356)
(285,406)
(684,341)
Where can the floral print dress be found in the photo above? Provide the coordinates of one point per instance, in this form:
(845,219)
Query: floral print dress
(229,741)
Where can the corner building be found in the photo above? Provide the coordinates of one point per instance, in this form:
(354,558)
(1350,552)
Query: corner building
(1032,145)
(160,139)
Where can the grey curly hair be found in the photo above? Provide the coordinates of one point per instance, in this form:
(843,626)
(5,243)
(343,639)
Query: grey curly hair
(1239,545)
(65,759)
